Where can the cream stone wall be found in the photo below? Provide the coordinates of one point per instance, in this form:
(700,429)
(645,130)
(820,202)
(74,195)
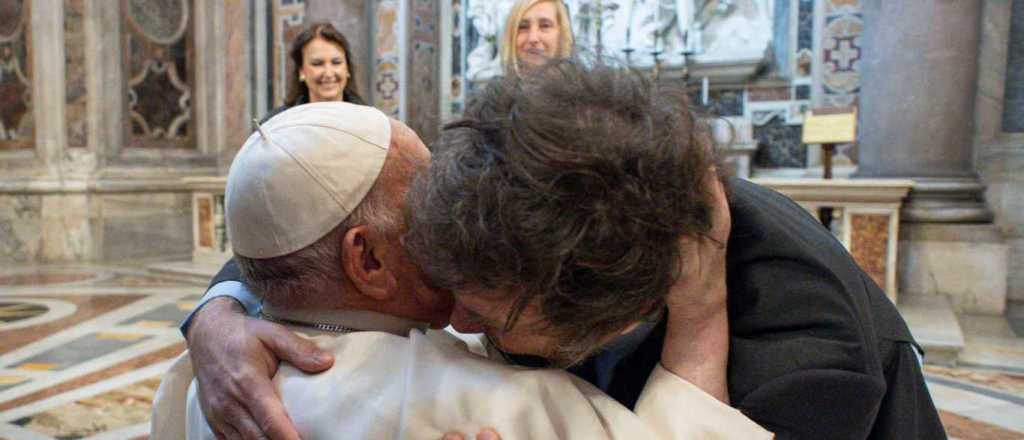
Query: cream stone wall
(92,198)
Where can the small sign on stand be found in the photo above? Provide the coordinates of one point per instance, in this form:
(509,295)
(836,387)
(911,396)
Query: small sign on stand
(829,126)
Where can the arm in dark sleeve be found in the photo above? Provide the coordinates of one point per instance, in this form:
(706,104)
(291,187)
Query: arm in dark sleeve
(228,283)
(803,360)
(228,272)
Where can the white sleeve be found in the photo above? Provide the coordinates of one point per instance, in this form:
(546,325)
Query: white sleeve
(676,409)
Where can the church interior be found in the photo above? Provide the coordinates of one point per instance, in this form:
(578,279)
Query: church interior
(120,119)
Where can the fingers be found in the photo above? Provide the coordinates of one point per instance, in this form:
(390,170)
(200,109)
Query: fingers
(484,434)
(246,428)
(298,351)
(269,414)
(488,434)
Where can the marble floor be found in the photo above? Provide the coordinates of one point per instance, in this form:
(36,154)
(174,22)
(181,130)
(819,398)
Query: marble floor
(83,347)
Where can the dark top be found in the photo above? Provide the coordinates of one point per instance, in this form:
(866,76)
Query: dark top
(303,99)
(817,349)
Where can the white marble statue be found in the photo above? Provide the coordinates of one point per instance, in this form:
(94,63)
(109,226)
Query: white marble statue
(488,19)
(744,32)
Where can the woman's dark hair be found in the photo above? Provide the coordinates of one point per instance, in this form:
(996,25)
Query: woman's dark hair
(568,188)
(297,90)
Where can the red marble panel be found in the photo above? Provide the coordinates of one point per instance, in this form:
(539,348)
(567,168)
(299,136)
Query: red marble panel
(757,94)
(869,240)
(204,206)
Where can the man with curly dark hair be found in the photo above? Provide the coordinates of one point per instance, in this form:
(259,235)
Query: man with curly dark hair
(565,205)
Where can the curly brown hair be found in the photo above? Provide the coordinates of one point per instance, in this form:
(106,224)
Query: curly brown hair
(569,187)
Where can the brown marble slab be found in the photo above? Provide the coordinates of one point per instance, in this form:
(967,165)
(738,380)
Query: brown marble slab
(966,428)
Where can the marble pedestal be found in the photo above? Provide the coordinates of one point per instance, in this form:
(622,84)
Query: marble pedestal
(966,263)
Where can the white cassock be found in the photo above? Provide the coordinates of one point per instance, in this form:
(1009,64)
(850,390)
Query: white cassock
(409,385)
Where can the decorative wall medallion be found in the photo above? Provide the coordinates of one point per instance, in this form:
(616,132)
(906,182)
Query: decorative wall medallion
(161,21)
(841,53)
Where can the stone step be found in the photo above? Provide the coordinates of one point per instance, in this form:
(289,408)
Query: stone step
(184,271)
(934,326)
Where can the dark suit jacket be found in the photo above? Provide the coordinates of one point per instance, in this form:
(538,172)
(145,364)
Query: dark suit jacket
(817,350)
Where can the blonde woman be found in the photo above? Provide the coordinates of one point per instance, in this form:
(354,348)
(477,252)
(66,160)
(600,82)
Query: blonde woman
(535,31)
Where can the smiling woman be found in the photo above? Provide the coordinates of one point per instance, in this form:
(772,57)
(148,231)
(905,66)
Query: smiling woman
(322,69)
(535,31)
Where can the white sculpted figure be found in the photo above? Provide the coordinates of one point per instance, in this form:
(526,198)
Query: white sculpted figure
(488,18)
(743,32)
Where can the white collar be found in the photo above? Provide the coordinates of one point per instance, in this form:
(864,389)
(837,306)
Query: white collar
(342,321)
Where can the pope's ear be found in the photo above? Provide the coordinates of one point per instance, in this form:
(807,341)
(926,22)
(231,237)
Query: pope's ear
(361,259)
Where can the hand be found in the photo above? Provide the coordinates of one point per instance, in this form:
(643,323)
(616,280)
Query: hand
(484,434)
(234,357)
(696,346)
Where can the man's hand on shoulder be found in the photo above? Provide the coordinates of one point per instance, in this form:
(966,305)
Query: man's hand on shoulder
(234,358)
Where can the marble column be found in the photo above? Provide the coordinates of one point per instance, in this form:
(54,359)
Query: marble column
(917,102)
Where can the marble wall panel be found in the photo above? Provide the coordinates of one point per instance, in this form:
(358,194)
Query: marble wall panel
(869,237)
(841,52)
(993,53)
(457,94)
(147,237)
(76,97)
(804,38)
(387,58)
(288,17)
(779,145)
(159,62)
(1013,107)
(761,94)
(16,125)
(237,75)
(67,228)
(19,227)
(423,76)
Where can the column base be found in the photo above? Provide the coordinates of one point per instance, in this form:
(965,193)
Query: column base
(946,200)
(966,263)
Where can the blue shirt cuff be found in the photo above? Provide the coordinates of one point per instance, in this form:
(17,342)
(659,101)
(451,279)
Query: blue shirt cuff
(233,289)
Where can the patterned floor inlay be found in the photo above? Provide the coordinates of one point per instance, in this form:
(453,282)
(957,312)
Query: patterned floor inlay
(129,365)
(994,379)
(18,311)
(965,428)
(88,307)
(105,412)
(82,349)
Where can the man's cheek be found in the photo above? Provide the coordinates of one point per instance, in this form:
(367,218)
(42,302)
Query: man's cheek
(461,321)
